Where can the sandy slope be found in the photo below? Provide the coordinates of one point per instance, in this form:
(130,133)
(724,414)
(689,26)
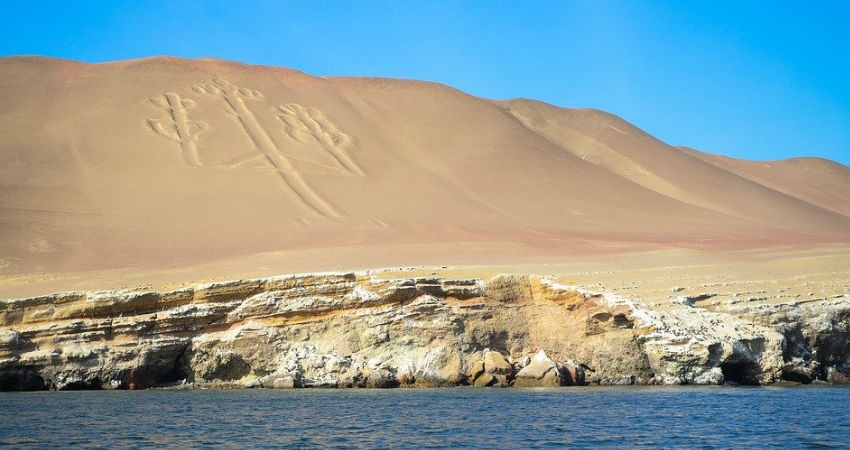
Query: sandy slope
(162,164)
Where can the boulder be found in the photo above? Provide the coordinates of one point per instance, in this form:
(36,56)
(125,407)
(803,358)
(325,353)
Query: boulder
(491,380)
(574,374)
(542,371)
(484,380)
(493,370)
(475,370)
(282,380)
(352,378)
(252,383)
(495,363)
(381,379)
(836,376)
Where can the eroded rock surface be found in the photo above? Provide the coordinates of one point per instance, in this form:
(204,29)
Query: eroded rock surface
(358,330)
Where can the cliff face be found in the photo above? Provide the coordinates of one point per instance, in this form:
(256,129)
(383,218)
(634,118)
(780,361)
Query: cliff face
(359,330)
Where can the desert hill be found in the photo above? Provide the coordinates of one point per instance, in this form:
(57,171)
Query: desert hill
(163,162)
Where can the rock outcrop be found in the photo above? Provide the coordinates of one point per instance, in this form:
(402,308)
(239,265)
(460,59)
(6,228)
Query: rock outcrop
(543,371)
(359,330)
(492,370)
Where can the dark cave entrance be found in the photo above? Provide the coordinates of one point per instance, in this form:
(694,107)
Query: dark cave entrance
(740,372)
(22,381)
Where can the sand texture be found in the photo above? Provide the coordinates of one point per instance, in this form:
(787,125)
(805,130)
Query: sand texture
(169,170)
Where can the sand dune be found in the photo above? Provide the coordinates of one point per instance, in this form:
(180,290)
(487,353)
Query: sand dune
(814,180)
(162,162)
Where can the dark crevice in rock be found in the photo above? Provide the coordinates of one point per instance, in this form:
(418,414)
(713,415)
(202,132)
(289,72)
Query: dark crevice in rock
(621,321)
(179,370)
(741,372)
(167,371)
(833,346)
(23,380)
(796,377)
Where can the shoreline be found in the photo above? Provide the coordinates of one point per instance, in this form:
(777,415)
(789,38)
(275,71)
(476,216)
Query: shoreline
(818,384)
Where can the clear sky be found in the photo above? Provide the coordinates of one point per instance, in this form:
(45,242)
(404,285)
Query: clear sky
(758,80)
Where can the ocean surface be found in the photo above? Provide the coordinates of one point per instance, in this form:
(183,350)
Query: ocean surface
(669,417)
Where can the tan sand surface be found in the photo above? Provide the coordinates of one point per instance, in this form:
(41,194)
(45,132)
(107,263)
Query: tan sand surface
(164,171)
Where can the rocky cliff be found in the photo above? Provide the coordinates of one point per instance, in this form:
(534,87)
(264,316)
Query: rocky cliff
(365,330)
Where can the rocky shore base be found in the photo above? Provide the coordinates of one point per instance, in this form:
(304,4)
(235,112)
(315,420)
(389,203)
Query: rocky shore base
(362,330)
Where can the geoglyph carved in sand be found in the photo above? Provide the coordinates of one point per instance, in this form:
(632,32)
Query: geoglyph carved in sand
(310,126)
(177,126)
(301,124)
(235,98)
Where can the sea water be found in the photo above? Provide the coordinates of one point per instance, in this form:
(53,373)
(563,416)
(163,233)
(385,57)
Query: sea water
(669,417)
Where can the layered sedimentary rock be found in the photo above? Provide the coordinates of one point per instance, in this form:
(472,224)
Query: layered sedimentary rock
(360,330)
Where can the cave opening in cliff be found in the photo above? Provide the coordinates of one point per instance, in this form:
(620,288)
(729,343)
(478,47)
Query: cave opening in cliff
(22,382)
(174,376)
(10,383)
(740,372)
(178,371)
(35,383)
(797,376)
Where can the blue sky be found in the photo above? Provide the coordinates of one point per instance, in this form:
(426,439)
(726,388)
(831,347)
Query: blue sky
(758,80)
